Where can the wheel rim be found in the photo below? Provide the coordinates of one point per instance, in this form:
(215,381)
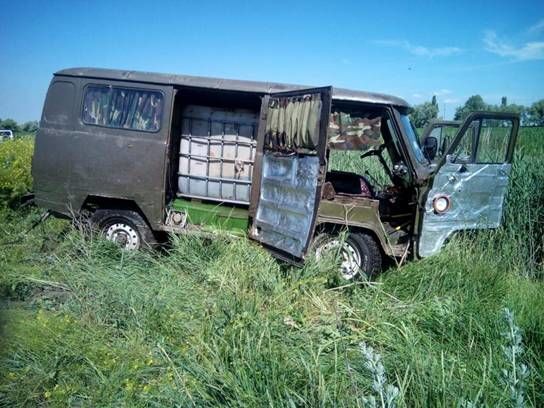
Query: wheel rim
(123,235)
(350,265)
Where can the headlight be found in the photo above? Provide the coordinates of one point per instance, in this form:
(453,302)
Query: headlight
(441,204)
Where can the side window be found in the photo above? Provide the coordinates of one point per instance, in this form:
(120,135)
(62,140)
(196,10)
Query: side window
(463,151)
(493,142)
(122,108)
(59,103)
(444,135)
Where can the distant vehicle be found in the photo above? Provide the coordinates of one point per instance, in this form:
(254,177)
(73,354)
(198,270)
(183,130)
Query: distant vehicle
(6,134)
(143,153)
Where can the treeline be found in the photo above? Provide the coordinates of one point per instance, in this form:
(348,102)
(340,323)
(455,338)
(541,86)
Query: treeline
(26,127)
(530,115)
(421,114)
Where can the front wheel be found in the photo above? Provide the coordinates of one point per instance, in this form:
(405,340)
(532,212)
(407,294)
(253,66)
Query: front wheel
(125,228)
(360,256)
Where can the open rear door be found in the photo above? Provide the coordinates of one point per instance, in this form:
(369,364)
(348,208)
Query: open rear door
(290,169)
(470,183)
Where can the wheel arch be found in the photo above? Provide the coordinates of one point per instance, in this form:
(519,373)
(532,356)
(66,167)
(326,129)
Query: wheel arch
(95,202)
(333,227)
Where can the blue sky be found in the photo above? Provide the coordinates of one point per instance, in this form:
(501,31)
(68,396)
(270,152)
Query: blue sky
(408,49)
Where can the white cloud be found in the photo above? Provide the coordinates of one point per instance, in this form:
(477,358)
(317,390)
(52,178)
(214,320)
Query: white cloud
(420,50)
(442,92)
(452,100)
(533,50)
(417,95)
(537,28)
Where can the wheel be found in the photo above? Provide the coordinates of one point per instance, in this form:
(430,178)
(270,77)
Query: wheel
(126,228)
(359,254)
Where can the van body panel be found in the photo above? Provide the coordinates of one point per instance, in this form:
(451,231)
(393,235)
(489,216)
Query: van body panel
(348,213)
(79,160)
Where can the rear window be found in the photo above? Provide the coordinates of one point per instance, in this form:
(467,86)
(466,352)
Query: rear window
(59,105)
(122,108)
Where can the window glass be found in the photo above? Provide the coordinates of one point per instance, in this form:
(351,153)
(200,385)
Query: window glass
(413,138)
(59,103)
(444,135)
(463,151)
(122,108)
(493,142)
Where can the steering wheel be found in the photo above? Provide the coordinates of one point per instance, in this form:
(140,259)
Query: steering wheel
(378,152)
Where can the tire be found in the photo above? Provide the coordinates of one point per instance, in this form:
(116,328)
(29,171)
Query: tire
(360,254)
(126,228)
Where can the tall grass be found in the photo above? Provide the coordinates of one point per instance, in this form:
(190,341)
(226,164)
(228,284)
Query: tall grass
(218,322)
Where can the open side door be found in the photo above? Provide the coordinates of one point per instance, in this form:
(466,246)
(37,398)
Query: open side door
(470,183)
(290,168)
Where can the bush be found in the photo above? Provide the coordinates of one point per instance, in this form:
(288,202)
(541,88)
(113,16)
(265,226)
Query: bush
(15,163)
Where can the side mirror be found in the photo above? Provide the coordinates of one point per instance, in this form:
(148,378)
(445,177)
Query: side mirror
(430,147)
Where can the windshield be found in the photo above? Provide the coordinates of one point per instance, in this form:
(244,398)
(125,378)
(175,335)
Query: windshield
(413,138)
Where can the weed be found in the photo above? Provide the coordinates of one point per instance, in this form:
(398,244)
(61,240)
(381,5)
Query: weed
(515,376)
(219,322)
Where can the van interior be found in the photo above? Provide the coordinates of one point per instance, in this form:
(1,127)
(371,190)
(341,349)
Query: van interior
(212,149)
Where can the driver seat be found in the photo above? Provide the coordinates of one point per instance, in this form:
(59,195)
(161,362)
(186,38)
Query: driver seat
(346,184)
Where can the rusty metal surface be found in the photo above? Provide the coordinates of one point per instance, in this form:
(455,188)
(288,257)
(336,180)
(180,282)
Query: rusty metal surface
(476,193)
(226,84)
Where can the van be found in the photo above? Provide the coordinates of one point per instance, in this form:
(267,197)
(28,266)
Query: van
(300,170)
(6,134)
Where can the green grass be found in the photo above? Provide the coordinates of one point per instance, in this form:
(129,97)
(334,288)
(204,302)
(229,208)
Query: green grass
(219,322)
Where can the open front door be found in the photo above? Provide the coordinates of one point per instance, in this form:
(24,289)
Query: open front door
(470,184)
(290,169)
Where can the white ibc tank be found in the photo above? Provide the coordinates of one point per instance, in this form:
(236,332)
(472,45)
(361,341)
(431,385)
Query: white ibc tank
(217,151)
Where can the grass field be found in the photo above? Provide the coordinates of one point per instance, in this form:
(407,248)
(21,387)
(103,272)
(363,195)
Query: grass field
(219,322)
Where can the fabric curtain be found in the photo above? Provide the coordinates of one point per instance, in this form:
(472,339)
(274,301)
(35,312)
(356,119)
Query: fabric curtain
(293,122)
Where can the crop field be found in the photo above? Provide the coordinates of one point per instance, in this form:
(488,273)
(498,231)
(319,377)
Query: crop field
(219,322)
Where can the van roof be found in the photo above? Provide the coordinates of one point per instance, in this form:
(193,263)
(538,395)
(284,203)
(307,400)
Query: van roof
(226,84)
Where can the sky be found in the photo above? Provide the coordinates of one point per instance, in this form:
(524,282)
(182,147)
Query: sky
(409,49)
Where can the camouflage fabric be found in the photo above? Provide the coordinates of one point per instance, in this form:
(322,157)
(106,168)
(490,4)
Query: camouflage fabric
(122,108)
(293,122)
(348,132)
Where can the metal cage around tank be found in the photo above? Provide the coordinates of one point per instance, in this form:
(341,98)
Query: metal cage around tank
(217,153)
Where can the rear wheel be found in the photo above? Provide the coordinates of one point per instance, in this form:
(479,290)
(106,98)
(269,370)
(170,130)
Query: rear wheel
(125,228)
(359,254)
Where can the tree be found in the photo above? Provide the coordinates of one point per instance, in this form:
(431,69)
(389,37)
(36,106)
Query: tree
(504,102)
(10,124)
(433,101)
(536,113)
(473,104)
(30,126)
(422,114)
